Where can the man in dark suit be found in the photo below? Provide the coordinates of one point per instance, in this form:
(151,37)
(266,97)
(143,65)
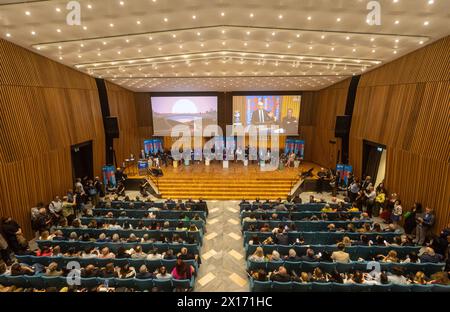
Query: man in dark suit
(261,116)
(290,123)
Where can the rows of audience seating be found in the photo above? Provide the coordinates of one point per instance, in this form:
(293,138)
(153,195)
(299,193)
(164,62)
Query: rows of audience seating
(116,246)
(333,248)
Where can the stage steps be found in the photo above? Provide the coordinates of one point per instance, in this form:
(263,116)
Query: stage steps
(223,188)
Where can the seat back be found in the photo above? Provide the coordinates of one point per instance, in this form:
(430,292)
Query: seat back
(163,285)
(281,286)
(258,286)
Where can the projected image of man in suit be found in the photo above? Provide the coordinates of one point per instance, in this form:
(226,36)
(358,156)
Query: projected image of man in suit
(261,116)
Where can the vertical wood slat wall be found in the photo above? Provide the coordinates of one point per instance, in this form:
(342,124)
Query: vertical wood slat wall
(317,122)
(45,108)
(405,105)
(122,105)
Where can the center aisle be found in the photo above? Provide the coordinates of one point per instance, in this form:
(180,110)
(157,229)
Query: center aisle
(223,260)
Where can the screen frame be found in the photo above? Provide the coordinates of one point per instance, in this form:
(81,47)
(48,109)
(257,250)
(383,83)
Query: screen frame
(267,93)
(182,94)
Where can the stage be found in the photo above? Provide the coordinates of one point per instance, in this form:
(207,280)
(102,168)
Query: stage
(234,183)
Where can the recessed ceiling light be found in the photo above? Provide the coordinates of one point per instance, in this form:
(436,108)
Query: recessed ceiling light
(138,22)
(273,33)
(159,48)
(222,14)
(421,42)
(60,57)
(59,47)
(280,16)
(397,22)
(85,27)
(166,19)
(354,50)
(248,33)
(426,23)
(322,37)
(373,51)
(372,39)
(58,30)
(27,13)
(309,18)
(194,17)
(33,33)
(104,42)
(8,35)
(251,15)
(89,6)
(430,1)
(58,10)
(121,3)
(174,35)
(245,43)
(347,38)
(298,35)
(338,19)
(395,51)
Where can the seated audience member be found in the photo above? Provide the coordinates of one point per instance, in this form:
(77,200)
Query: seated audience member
(391,257)
(127,271)
(106,254)
(182,270)
(440,278)
(109,271)
(52,270)
(420,278)
(143,273)
(138,253)
(292,256)
(122,254)
(89,271)
(259,275)
(20,269)
(281,275)
(396,276)
(154,255)
(168,255)
(309,256)
(430,256)
(412,257)
(162,273)
(340,255)
(258,255)
(319,276)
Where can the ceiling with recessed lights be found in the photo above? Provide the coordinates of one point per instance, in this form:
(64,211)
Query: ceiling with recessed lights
(224,45)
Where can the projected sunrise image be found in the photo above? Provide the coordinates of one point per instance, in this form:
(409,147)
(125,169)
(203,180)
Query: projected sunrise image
(171,111)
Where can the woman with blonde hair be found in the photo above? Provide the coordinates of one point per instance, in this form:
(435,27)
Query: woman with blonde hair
(346,241)
(391,257)
(419,278)
(258,255)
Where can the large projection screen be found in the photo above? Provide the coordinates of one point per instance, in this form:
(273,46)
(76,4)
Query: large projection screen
(170,111)
(267,110)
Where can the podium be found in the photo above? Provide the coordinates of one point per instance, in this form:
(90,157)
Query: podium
(246,162)
(296,163)
(186,162)
(225,164)
(175,163)
(207,161)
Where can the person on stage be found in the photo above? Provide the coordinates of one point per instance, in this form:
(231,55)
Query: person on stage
(291,159)
(289,123)
(261,116)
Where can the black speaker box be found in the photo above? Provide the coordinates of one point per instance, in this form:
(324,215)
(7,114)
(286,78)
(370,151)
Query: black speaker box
(112,127)
(342,126)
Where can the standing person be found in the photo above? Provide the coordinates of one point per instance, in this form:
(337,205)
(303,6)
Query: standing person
(55,208)
(370,196)
(353,190)
(425,223)
(410,218)
(12,233)
(397,212)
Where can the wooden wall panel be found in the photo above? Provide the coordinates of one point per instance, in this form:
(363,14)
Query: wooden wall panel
(45,108)
(405,105)
(122,106)
(317,122)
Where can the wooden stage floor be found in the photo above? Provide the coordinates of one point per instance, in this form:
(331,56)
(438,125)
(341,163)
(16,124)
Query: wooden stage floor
(236,182)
